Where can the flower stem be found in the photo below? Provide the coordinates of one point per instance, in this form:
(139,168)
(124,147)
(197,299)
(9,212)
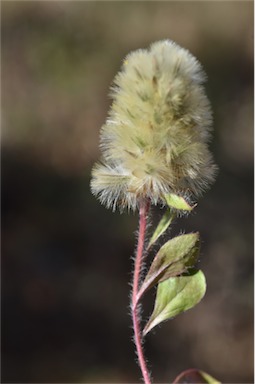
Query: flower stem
(143,212)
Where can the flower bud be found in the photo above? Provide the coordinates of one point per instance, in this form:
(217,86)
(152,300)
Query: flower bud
(155,138)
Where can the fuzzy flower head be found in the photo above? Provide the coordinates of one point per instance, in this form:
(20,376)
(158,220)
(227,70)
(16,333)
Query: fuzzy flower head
(154,141)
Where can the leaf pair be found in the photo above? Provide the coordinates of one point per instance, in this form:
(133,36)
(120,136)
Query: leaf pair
(179,287)
(175,293)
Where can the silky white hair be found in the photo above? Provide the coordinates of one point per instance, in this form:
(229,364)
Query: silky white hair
(155,139)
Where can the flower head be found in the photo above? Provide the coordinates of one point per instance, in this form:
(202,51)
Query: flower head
(155,138)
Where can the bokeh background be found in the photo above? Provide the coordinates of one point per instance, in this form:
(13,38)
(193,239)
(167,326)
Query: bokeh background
(66,260)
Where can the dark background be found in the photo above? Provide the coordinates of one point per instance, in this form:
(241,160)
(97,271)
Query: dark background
(66,260)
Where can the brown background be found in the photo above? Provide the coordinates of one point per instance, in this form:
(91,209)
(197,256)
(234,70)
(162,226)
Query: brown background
(66,260)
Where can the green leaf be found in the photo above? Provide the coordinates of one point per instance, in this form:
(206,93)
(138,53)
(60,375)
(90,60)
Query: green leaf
(176,295)
(177,202)
(173,258)
(195,376)
(162,226)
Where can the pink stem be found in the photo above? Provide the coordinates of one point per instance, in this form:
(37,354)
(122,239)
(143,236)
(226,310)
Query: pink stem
(144,209)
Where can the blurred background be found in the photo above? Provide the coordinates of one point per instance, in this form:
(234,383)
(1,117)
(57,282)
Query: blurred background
(66,260)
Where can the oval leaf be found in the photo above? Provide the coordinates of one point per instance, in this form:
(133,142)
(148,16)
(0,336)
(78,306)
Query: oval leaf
(176,295)
(173,258)
(162,226)
(178,202)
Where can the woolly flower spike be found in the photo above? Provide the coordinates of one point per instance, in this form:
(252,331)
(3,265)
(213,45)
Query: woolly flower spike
(154,141)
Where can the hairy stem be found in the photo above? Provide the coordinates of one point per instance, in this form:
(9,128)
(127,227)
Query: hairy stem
(143,212)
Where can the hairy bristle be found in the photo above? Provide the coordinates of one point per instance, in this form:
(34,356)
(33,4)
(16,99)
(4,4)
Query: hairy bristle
(155,139)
